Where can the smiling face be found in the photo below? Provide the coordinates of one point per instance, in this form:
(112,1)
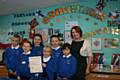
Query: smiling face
(75,34)
(26,46)
(66,51)
(37,40)
(15,41)
(55,42)
(47,51)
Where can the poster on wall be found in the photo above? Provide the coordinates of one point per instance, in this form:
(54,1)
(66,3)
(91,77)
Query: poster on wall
(115,59)
(70,24)
(98,58)
(96,43)
(111,42)
(44,33)
(67,36)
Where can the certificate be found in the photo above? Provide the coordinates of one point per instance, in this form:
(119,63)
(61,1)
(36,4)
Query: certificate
(35,64)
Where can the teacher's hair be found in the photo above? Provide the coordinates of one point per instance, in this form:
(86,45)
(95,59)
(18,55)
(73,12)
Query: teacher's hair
(77,29)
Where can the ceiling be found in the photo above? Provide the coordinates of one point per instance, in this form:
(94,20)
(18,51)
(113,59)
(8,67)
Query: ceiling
(12,6)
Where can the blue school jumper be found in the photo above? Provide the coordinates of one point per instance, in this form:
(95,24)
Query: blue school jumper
(23,65)
(48,72)
(37,50)
(50,69)
(67,67)
(11,56)
(57,53)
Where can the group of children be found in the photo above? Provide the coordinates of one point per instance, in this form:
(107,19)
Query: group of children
(57,61)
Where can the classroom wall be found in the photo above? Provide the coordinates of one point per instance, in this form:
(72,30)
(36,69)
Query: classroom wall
(56,20)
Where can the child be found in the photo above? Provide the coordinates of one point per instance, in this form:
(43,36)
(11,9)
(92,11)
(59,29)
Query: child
(67,64)
(11,54)
(56,48)
(49,65)
(23,70)
(37,48)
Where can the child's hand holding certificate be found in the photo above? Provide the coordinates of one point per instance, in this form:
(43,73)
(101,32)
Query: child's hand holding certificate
(35,64)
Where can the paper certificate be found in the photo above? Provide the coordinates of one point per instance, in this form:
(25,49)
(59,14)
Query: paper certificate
(35,64)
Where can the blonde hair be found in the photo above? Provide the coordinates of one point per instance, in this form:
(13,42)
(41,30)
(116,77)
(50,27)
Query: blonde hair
(46,47)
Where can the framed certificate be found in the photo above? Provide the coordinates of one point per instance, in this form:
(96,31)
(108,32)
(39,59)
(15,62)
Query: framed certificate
(35,64)
(96,44)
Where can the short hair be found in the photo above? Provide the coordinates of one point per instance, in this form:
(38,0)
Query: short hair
(17,36)
(66,45)
(77,29)
(38,35)
(54,36)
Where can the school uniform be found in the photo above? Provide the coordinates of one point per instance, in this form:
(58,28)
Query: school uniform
(23,70)
(11,56)
(48,71)
(57,53)
(67,67)
(37,50)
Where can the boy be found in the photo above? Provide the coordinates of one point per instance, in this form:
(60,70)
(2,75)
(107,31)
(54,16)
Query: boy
(11,55)
(56,48)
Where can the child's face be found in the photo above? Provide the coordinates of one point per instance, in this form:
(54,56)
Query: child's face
(15,41)
(46,52)
(66,51)
(26,47)
(37,40)
(55,42)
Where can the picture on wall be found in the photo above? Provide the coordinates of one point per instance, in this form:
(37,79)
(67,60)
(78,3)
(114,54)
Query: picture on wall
(67,36)
(115,59)
(96,43)
(111,42)
(70,24)
(50,31)
(98,58)
(44,33)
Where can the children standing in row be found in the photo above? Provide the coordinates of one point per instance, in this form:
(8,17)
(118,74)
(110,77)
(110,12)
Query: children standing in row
(56,61)
(11,55)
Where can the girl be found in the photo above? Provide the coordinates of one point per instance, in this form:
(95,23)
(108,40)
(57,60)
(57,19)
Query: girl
(49,66)
(37,48)
(11,54)
(23,70)
(67,64)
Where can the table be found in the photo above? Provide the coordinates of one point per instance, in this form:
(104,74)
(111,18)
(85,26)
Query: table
(97,74)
